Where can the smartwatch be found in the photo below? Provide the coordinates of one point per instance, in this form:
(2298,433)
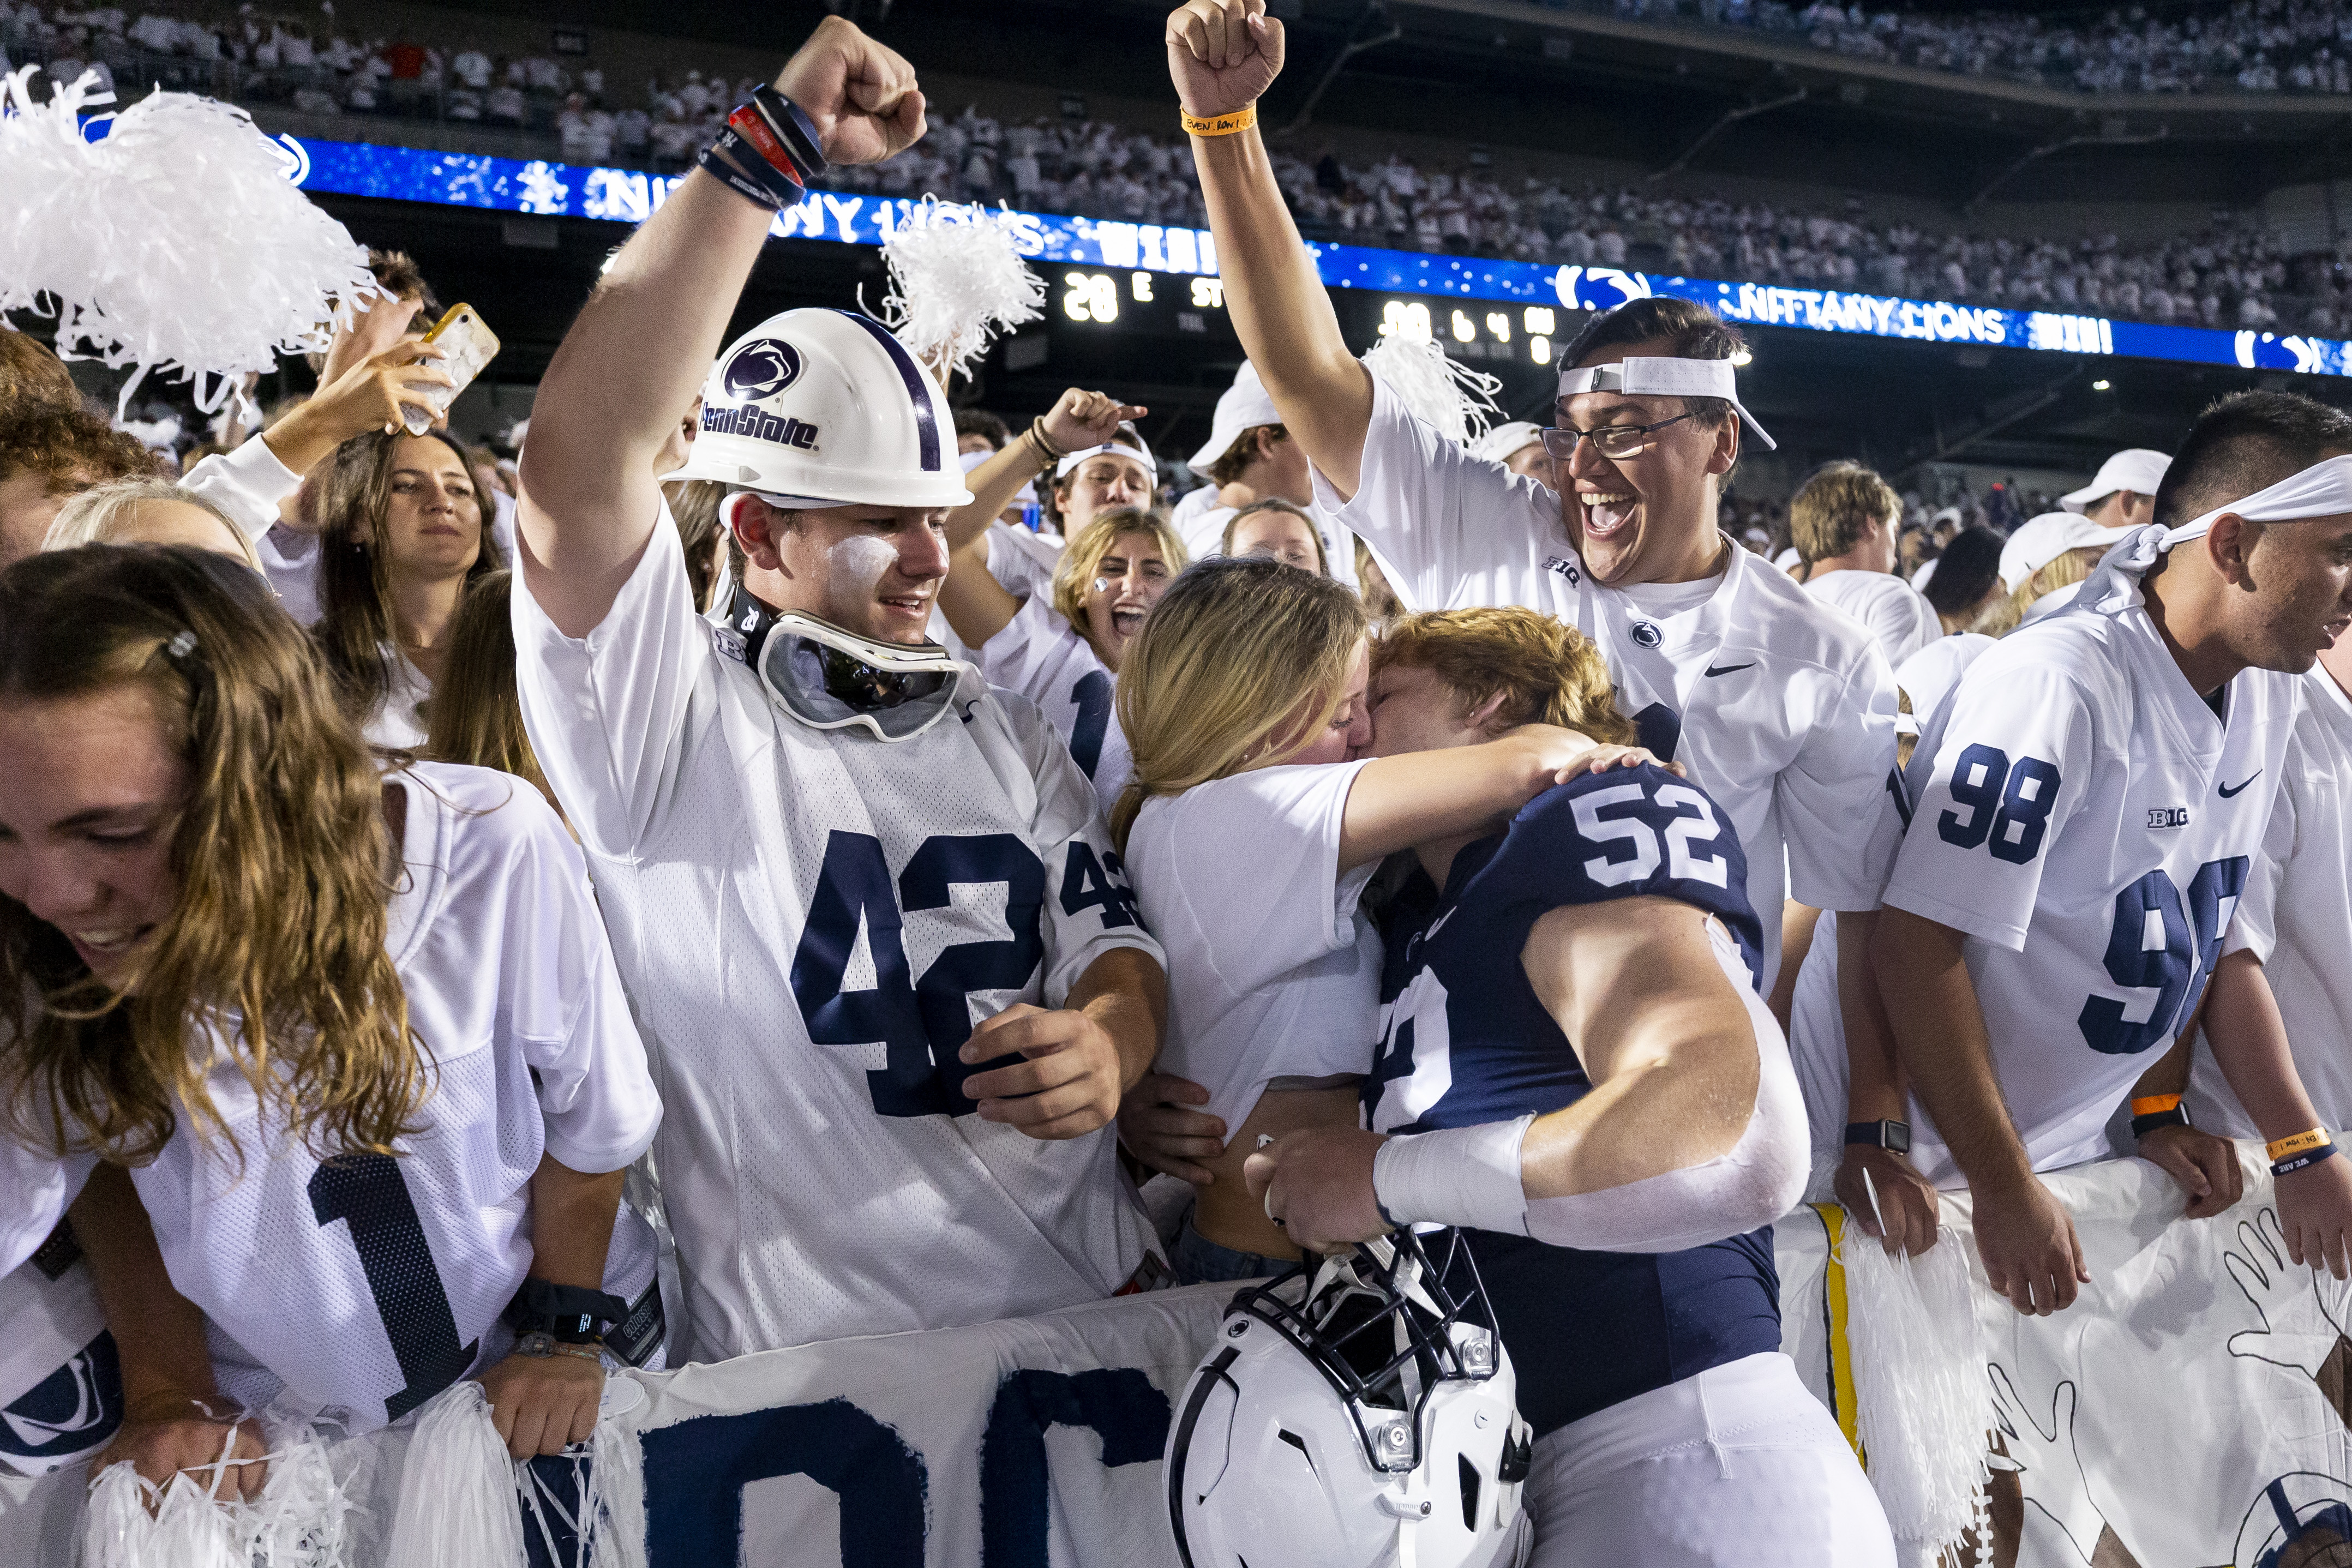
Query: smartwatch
(1893,1136)
(566,1314)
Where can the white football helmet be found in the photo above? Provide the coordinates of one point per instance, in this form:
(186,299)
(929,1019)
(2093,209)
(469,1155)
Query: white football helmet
(1355,1412)
(825,407)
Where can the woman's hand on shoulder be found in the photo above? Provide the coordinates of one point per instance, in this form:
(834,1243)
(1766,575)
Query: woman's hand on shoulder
(1565,753)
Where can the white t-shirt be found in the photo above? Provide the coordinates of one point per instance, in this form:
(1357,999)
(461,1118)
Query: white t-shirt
(2087,824)
(1041,656)
(2296,917)
(1783,711)
(1898,614)
(1203,532)
(353,1291)
(1272,973)
(810,923)
(398,722)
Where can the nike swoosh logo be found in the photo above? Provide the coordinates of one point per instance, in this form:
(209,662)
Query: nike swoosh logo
(1734,669)
(2227,791)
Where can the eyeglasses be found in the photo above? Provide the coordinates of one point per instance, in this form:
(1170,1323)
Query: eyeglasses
(1613,440)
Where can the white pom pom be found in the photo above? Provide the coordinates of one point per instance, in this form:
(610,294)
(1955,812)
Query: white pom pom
(458,1501)
(173,242)
(128,1524)
(1458,402)
(957,282)
(1922,1390)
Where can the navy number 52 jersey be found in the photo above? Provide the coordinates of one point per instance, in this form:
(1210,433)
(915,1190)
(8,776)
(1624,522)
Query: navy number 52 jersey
(1466,1040)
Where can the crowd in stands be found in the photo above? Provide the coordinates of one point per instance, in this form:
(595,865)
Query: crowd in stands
(2255,45)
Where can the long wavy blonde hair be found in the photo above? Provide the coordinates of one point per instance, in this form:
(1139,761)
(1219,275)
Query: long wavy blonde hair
(280,853)
(1225,661)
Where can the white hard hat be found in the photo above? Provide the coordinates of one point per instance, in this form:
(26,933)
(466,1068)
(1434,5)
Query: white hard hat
(1244,405)
(826,408)
(2041,540)
(1498,444)
(2135,468)
(1352,1412)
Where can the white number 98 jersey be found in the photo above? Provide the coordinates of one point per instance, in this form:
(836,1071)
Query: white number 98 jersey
(2082,816)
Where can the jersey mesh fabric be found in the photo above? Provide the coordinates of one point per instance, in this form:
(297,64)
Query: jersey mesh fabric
(1782,710)
(1040,655)
(2087,824)
(354,1289)
(809,923)
(1466,1041)
(2296,918)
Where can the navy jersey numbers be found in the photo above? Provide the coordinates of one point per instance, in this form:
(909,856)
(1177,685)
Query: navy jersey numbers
(2160,943)
(2007,805)
(923,1022)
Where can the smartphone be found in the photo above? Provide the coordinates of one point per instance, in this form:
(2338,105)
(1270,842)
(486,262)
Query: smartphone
(471,345)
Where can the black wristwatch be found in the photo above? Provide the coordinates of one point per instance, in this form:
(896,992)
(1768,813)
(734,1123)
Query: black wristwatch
(2176,1118)
(1893,1136)
(568,1315)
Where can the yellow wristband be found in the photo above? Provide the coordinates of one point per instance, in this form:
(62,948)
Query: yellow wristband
(2283,1148)
(1241,119)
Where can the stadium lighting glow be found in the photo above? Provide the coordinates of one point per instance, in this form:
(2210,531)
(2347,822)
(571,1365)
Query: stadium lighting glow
(630,196)
(2101,386)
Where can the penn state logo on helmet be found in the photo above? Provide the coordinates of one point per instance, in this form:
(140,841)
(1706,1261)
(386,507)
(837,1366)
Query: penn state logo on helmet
(825,407)
(761,368)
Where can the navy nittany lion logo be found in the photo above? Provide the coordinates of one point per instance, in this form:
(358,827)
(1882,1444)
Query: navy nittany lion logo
(1646,634)
(762,369)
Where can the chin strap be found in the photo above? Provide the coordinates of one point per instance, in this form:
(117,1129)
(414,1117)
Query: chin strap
(750,618)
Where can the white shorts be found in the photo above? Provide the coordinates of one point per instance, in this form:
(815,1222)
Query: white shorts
(1737,1466)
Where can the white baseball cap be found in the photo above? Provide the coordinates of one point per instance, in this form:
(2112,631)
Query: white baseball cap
(2135,468)
(1498,444)
(2042,539)
(1244,405)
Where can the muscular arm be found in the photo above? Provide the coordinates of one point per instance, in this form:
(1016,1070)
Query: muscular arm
(1222,55)
(639,349)
(1668,1044)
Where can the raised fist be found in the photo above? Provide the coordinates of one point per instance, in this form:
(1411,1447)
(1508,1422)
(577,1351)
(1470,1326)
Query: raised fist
(1223,54)
(861,97)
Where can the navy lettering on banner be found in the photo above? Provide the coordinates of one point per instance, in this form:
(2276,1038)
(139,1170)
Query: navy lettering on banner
(1117,1405)
(367,1193)
(921,1023)
(696,1472)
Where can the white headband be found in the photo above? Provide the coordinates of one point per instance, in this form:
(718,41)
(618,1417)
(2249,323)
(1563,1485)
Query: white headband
(2322,490)
(1116,448)
(1652,376)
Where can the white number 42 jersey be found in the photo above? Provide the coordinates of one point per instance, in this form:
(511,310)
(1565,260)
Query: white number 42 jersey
(2085,820)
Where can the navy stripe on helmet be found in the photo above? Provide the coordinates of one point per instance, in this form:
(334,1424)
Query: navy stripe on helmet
(927,425)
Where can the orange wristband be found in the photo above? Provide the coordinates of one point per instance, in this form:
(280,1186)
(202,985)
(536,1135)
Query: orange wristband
(1241,119)
(2285,1149)
(2154,1104)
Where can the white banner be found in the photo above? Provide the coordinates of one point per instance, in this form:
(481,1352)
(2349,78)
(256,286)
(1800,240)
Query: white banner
(2190,1411)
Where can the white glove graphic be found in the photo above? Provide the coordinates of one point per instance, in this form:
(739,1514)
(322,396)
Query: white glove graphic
(2303,1309)
(2062,1524)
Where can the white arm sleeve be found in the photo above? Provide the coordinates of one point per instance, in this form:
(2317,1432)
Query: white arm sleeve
(247,483)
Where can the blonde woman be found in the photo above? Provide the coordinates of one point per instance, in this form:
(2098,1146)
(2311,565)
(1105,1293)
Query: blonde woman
(1061,647)
(147,512)
(307,1016)
(1279,530)
(2049,587)
(1250,829)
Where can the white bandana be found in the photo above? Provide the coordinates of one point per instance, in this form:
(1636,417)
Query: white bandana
(2322,490)
(1652,376)
(1063,469)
